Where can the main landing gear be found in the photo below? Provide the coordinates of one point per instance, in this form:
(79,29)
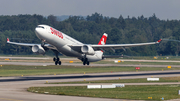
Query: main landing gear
(85,60)
(56,60)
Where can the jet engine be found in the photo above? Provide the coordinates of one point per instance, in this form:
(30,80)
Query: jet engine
(86,49)
(38,49)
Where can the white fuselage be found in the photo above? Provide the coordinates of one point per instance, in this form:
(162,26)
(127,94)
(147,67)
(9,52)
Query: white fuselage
(62,42)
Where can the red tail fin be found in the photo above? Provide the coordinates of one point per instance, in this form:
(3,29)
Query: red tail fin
(103,39)
(7,39)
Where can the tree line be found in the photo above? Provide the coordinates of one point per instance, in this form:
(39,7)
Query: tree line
(20,28)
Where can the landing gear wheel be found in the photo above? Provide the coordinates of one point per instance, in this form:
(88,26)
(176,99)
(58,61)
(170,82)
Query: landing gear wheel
(59,62)
(56,62)
(84,63)
(87,62)
(54,59)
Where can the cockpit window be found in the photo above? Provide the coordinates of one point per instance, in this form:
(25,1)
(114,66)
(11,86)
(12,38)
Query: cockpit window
(40,27)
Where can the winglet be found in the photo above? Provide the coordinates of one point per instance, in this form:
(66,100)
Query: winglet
(159,40)
(7,39)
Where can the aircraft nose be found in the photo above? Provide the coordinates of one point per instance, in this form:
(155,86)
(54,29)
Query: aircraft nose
(39,32)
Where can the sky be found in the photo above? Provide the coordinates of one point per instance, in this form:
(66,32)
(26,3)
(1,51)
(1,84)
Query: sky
(163,9)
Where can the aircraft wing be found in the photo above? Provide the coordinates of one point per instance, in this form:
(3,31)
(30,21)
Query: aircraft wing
(30,44)
(112,46)
(121,46)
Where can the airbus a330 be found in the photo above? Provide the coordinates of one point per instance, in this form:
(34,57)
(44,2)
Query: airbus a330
(59,42)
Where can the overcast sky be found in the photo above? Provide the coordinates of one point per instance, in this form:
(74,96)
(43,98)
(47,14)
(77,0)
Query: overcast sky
(164,9)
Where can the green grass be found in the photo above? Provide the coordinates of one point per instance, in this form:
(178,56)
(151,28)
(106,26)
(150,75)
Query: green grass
(128,92)
(14,70)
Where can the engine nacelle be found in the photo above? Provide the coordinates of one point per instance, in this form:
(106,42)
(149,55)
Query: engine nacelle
(38,49)
(86,49)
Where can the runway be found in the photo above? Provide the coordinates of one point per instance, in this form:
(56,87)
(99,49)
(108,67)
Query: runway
(91,76)
(46,61)
(14,88)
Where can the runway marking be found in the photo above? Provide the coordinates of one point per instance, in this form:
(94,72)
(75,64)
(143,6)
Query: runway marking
(10,99)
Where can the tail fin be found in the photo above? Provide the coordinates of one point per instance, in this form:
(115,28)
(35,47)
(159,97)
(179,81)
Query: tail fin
(103,39)
(8,40)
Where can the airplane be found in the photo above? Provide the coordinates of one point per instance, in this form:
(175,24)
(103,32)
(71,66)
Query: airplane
(59,42)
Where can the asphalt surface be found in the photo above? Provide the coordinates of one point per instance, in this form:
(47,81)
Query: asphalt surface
(93,76)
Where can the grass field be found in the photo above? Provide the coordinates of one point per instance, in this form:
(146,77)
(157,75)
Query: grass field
(14,70)
(128,92)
